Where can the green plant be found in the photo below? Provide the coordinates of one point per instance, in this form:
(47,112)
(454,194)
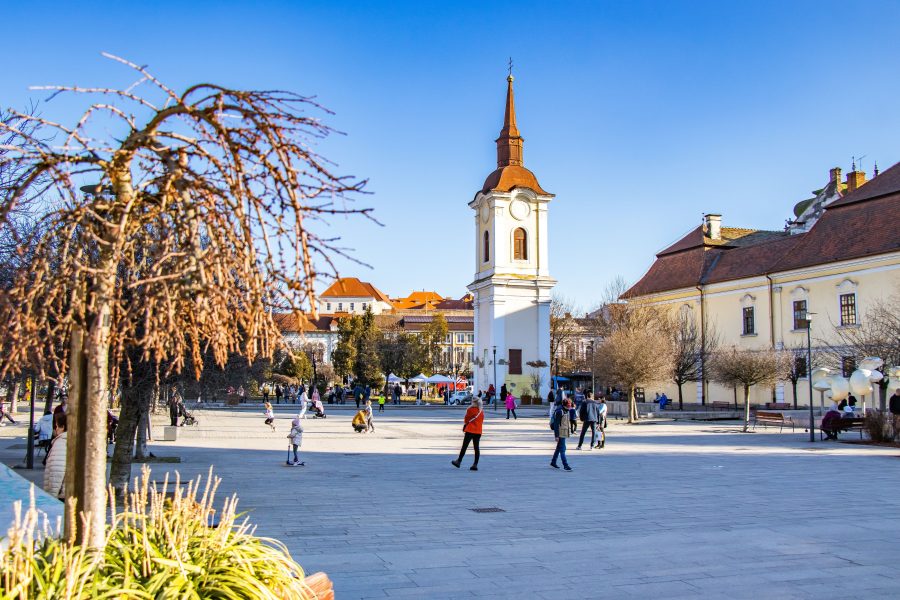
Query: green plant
(160,545)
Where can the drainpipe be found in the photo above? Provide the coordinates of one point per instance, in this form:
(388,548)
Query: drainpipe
(772,326)
(702,347)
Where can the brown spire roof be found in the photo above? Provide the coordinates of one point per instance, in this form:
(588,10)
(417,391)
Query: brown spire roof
(510,171)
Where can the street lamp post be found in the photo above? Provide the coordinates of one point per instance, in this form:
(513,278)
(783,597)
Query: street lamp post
(496,390)
(29,458)
(812,423)
(593,384)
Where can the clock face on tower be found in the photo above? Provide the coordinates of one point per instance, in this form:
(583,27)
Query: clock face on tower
(519,210)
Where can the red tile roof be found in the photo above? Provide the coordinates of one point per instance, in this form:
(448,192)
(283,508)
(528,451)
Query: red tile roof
(351,287)
(862,223)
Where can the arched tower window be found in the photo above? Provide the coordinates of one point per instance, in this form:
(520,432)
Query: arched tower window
(520,244)
(487,246)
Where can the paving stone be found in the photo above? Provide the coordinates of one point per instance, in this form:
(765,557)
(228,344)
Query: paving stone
(672,510)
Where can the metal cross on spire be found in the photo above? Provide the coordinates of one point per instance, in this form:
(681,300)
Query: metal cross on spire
(510,66)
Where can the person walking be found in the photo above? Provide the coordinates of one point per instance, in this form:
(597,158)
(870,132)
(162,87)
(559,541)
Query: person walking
(278,393)
(588,413)
(55,472)
(601,420)
(472,425)
(265,392)
(559,423)
(4,413)
(174,408)
(270,415)
(573,417)
(397,392)
(510,406)
(358,395)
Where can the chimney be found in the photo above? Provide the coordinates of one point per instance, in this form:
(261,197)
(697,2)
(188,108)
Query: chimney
(713,226)
(835,175)
(855,180)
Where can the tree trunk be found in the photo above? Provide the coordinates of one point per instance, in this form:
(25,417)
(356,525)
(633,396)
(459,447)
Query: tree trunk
(794,389)
(746,408)
(632,406)
(13,398)
(680,398)
(51,391)
(86,447)
(120,467)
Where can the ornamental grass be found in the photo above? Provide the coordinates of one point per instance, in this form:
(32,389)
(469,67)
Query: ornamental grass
(162,543)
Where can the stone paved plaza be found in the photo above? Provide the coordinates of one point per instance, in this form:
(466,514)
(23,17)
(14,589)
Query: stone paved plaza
(667,510)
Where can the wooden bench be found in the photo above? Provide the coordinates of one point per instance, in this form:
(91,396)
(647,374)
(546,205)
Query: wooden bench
(722,405)
(847,424)
(766,418)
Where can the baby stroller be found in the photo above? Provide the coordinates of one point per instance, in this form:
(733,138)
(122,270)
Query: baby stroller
(188,418)
(318,408)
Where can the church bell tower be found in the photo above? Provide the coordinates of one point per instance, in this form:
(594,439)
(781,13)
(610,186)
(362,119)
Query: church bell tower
(512,276)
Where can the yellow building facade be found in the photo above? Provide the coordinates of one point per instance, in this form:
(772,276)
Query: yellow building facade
(754,288)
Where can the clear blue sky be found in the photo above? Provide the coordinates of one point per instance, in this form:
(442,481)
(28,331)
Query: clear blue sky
(639,116)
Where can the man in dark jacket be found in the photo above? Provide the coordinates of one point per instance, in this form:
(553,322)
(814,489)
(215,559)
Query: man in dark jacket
(588,413)
(559,423)
(358,395)
(894,405)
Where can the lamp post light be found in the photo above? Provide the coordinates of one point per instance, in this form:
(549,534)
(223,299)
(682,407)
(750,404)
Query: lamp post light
(812,422)
(496,389)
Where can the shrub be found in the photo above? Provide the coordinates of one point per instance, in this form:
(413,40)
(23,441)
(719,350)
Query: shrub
(879,426)
(158,546)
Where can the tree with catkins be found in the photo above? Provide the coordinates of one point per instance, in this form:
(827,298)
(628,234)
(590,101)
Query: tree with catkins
(746,368)
(192,231)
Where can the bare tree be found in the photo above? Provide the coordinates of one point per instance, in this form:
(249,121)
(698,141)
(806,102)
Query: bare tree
(746,368)
(199,205)
(537,376)
(563,328)
(796,368)
(691,350)
(636,349)
(877,334)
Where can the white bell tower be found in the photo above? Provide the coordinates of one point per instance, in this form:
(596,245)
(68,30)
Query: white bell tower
(512,275)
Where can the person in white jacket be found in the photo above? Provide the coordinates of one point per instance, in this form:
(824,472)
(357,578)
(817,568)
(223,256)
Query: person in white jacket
(55,472)
(296,436)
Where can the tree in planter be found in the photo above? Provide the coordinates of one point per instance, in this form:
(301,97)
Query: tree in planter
(746,368)
(637,349)
(211,188)
(692,349)
(537,376)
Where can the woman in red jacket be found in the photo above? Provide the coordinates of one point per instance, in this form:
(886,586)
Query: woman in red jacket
(472,427)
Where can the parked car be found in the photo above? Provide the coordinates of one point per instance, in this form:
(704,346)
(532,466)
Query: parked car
(461,397)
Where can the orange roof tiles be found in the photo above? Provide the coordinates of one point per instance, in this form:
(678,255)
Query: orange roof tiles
(351,287)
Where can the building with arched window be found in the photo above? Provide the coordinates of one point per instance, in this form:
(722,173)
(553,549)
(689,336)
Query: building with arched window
(520,244)
(512,277)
